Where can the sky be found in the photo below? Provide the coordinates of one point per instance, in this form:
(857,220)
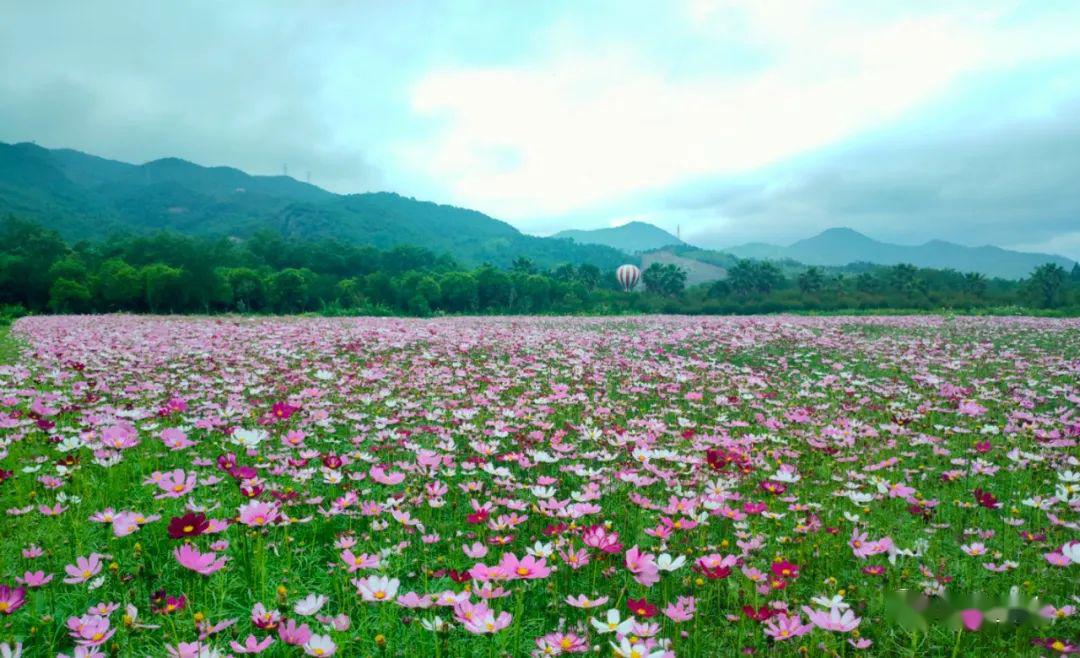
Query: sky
(734,121)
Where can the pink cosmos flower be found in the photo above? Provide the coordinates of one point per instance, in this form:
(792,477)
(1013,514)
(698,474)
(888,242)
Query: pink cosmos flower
(554,644)
(257,514)
(476,551)
(84,569)
(1057,559)
(575,559)
(357,562)
(833,620)
(784,627)
(252,644)
(264,618)
(202,563)
(414,600)
(379,474)
(290,633)
(682,610)
(11,599)
(34,579)
(176,484)
(643,566)
(584,602)
(175,439)
(863,548)
(479,619)
(90,630)
(601,538)
(527,568)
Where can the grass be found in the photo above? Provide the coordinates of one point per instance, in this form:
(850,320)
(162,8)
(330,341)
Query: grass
(9,346)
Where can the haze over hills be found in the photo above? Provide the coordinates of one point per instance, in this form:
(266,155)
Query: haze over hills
(631,237)
(841,246)
(86,197)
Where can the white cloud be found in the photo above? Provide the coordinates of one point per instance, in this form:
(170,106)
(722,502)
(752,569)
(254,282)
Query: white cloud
(597,123)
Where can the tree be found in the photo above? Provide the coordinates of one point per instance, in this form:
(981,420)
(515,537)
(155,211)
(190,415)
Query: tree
(524,265)
(119,285)
(349,294)
(975,284)
(247,288)
(588,275)
(163,286)
(667,279)
(31,250)
(747,278)
(289,290)
(811,282)
(67,296)
(459,292)
(1046,286)
(493,288)
(380,289)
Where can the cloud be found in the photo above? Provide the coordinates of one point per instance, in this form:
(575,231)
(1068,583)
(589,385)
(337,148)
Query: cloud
(593,124)
(723,117)
(1012,184)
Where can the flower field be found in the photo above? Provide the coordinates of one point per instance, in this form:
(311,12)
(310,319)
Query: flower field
(644,488)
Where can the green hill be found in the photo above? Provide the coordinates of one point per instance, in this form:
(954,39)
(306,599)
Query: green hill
(841,246)
(86,197)
(632,237)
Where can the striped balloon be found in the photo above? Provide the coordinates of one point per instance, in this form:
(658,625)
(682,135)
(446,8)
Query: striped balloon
(628,276)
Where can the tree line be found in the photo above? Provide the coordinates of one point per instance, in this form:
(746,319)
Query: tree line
(172,273)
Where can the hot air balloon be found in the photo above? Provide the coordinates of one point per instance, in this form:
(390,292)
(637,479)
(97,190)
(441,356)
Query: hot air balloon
(628,276)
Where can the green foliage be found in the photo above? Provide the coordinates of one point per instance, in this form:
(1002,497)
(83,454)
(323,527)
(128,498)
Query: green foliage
(666,280)
(171,273)
(1046,287)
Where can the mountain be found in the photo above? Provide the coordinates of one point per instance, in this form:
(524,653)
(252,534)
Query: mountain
(841,246)
(632,237)
(87,197)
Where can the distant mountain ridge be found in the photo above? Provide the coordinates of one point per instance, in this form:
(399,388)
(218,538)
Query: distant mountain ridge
(86,197)
(842,246)
(631,237)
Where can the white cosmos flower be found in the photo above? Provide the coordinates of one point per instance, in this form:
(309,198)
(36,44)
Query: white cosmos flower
(320,645)
(69,444)
(543,492)
(859,498)
(309,605)
(540,549)
(436,625)
(613,624)
(665,562)
(1071,550)
(249,438)
(627,649)
(377,588)
(836,602)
